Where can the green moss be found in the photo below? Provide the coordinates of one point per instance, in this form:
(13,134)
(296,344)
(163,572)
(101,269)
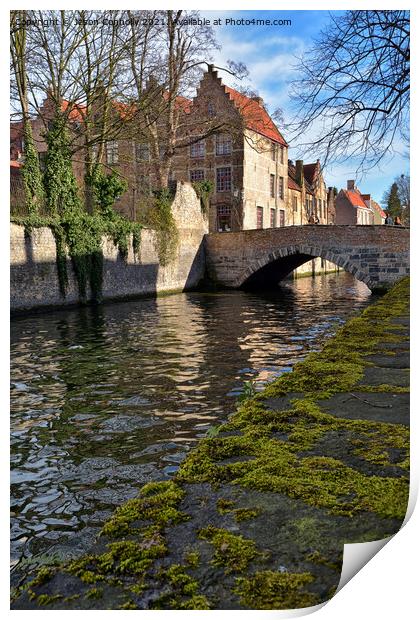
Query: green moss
(137,588)
(156,504)
(197,601)
(232,551)
(243,514)
(224,505)
(128,605)
(192,558)
(272,590)
(73,597)
(43,575)
(385,387)
(124,557)
(317,558)
(46,599)
(183,590)
(94,593)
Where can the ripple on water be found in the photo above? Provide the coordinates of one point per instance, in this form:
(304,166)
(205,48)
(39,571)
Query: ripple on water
(105,399)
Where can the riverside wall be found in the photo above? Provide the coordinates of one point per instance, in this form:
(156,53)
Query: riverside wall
(34,280)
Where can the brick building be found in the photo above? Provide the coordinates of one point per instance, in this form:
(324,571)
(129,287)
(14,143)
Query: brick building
(246,160)
(379,216)
(309,200)
(353,207)
(230,140)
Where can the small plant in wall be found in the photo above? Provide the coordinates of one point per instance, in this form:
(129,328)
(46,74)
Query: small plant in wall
(158,216)
(204,190)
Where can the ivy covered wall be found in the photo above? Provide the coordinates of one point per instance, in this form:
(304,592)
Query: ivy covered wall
(135,270)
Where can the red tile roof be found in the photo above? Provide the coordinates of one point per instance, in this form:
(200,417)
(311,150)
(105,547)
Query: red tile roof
(180,101)
(76,113)
(355,198)
(378,208)
(127,111)
(255,115)
(293,185)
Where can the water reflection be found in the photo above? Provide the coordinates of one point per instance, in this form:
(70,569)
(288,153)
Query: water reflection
(105,399)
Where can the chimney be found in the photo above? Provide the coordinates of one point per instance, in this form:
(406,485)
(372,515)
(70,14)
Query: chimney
(259,100)
(350,184)
(331,205)
(299,172)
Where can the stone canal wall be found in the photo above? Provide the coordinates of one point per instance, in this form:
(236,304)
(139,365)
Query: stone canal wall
(34,280)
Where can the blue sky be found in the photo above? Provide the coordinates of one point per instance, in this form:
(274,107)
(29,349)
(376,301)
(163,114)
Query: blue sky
(270,55)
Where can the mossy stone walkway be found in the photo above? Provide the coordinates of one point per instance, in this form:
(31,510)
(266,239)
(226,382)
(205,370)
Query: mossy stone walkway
(257,515)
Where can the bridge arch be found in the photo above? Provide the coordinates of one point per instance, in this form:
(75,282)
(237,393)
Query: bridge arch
(274,266)
(375,255)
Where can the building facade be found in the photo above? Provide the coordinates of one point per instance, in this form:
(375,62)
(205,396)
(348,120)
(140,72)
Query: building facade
(245,161)
(309,200)
(226,138)
(351,208)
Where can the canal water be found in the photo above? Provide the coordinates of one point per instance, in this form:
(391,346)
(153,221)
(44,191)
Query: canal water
(105,399)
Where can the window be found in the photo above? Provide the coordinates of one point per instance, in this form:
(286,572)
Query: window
(295,203)
(223,144)
(282,220)
(281,188)
(142,152)
(260,217)
(325,209)
(112,152)
(196,175)
(223,179)
(95,152)
(162,152)
(319,207)
(272,185)
(308,206)
(272,218)
(273,151)
(210,109)
(224,217)
(198,149)
(282,154)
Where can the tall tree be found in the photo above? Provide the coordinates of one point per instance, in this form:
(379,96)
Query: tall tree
(352,99)
(31,172)
(403,182)
(72,72)
(166,64)
(393,202)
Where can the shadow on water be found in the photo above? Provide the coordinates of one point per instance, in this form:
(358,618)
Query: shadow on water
(106,398)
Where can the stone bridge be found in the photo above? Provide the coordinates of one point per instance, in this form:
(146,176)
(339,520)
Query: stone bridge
(376,255)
